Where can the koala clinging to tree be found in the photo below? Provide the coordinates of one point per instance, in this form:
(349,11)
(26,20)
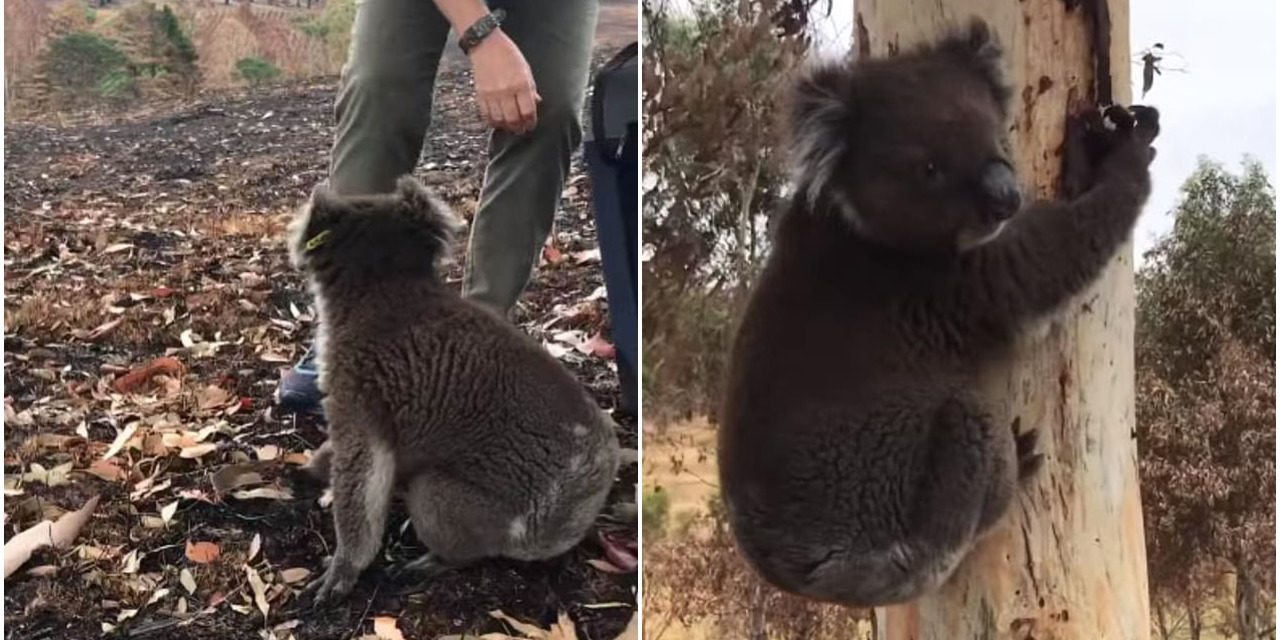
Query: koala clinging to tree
(500,452)
(857,465)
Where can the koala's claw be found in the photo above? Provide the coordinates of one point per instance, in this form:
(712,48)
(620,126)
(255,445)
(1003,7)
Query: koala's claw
(1118,118)
(329,587)
(1029,460)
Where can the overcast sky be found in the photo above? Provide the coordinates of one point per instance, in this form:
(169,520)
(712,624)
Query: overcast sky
(1222,107)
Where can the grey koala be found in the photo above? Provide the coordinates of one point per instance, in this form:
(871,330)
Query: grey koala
(498,450)
(857,466)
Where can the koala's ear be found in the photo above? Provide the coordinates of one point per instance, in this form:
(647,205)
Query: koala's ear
(424,208)
(821,118)
(976,45)
(313,225)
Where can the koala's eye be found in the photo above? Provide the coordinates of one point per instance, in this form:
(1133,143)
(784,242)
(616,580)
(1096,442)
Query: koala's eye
(932,172)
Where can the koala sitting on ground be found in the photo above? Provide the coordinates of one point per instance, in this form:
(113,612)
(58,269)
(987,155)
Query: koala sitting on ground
(499,451)
(857,465)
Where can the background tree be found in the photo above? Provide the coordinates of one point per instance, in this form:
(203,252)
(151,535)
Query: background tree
(1206,398)
(160,53)
(714,78)
(713,170)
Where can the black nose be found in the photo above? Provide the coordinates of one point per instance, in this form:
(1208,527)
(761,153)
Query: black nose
(1000,191)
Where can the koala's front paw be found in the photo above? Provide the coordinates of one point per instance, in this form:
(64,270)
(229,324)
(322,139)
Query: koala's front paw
(335,585)
(1130,133)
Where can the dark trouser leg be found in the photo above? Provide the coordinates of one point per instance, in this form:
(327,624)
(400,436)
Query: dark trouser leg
(526,173)
(384,103)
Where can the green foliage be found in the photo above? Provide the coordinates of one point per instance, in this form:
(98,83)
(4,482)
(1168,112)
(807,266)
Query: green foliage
(180,51)
(1206,388)
(655,511)
(333,27)
(256,71)
(709,75)
(84,65)
(159,51)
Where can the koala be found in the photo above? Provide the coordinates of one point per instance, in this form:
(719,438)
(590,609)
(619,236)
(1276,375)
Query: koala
(857,465)
(495,447)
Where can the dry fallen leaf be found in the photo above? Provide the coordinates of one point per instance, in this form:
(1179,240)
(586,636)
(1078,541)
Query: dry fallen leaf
(598,347)
(605,566)
(131,381)
(212,397)
(384,627)
(54,477)
(255,546)
(235,476)
(106,470)
(294,575)
(122,438)
(57,534)
(563,628)
(203,552)
(167,511)
(196,451)
(259,590)
(188,581)
(269,493)
(616,553)
(99,331)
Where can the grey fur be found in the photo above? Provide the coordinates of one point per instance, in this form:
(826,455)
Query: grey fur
(499,450)
(856,464)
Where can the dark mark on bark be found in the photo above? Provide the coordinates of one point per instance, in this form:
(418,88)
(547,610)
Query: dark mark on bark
(1030,561)
(864,38)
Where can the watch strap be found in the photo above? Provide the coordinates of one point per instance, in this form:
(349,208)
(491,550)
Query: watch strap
(480,30)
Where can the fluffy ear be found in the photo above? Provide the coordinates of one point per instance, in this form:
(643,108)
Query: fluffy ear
(424,208)
(976,46)
(314,223)
(820,119)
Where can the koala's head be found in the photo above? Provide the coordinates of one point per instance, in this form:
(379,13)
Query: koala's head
(405,233)
(910,150)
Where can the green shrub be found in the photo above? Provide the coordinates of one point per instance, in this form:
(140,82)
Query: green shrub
(654,514)
(86,65)
(256,71)
(333,27)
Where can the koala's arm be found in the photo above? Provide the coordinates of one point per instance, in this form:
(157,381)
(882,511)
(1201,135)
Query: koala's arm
(1054,250)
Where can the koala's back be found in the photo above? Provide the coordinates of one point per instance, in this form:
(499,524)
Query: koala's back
(461,393)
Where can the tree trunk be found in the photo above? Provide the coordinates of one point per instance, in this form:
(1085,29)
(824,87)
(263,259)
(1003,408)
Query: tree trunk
(1248,603)
(1162,618)
(1069,561)
(1195,624)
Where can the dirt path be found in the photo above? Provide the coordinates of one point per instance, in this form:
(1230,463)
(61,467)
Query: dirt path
(161,236)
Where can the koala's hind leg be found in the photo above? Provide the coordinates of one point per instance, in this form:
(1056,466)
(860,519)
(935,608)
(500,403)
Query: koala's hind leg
(460,523)
(972,473)
(362,473)
(318,466)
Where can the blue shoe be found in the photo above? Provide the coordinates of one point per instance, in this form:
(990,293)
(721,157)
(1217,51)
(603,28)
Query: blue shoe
(299,391)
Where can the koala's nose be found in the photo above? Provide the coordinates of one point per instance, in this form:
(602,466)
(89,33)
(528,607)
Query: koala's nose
(1000,190)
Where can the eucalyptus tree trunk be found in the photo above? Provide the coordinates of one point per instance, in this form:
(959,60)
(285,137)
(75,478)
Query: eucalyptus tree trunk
(1069,561)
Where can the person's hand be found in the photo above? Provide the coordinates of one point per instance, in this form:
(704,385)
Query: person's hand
(505,91)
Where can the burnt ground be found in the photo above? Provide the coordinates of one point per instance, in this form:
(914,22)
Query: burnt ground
(161,235)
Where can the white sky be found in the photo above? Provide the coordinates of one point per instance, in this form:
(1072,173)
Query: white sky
(1223,107)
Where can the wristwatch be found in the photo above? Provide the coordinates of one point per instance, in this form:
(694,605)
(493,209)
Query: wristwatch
(480,30)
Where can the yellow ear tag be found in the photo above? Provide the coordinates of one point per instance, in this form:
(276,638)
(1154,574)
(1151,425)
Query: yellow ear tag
(318,240)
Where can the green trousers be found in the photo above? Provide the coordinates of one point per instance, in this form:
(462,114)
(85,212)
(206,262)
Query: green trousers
(384,113)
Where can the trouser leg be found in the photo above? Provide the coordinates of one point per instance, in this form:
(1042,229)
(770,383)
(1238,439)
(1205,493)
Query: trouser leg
(384,102)
(526,173)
